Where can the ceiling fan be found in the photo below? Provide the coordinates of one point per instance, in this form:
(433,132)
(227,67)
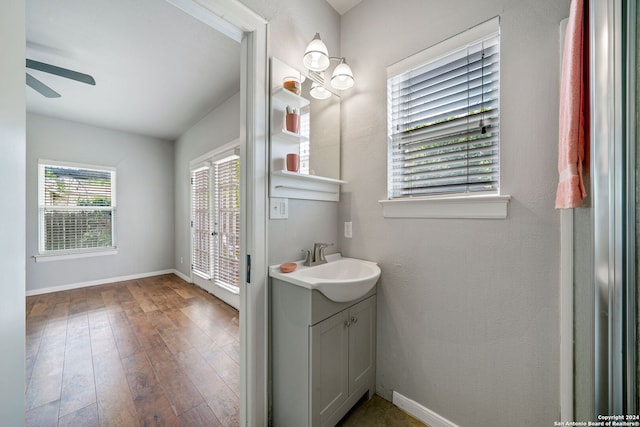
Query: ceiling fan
(58,71)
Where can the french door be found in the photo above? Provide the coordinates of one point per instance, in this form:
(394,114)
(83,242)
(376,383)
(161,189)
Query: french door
(215,225)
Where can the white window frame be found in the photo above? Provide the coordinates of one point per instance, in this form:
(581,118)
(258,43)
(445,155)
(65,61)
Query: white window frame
(468,205)
(65,254)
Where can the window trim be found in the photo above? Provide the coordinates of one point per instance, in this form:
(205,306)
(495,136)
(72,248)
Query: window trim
(475,205)
(67,254)
(75,255)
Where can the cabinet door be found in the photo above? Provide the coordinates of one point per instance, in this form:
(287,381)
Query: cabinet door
(362,342)
(329,365)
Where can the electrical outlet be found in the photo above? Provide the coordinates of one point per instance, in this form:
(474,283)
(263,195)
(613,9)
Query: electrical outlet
(279,208)
(348,229)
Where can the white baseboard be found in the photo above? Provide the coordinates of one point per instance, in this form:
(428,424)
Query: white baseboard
(418,411)
(102,282)
(182,276)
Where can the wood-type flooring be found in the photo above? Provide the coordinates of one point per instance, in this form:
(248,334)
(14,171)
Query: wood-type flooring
(149,352)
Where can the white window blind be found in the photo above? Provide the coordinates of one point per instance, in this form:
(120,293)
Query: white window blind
(201,221)
(443,119)
(76,207)
(305,147)
(226,247)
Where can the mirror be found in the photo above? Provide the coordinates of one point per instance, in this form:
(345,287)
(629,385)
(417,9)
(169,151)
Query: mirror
(317,141)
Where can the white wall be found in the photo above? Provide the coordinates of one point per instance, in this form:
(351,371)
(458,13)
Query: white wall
(220,126)
(12,226)
(144,200)
(467,309)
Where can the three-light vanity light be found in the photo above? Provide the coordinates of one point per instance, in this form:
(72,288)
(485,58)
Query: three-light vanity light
(317,60)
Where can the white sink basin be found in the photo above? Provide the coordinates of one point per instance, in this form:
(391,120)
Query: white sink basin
(340,279)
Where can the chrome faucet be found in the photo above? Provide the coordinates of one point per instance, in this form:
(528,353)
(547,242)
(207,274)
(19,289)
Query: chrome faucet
(316,256)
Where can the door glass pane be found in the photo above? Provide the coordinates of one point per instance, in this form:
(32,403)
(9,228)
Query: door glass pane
(201,222)
(227,217)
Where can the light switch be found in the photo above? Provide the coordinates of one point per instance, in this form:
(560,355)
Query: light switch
(279,208)
(348,229)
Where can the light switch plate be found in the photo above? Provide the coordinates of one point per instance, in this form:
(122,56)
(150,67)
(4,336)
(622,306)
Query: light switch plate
(279,208)
(348,229)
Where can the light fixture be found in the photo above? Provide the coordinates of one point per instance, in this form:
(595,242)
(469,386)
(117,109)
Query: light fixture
(316,56)
(342,77)
(318,91)
(316,59)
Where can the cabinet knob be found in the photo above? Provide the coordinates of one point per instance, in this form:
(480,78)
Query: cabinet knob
(354,319)
(347,323)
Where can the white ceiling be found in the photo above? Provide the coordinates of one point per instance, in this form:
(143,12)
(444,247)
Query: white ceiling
(157,70)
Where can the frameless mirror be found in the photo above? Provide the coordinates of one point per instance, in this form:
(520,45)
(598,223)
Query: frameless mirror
(314,135)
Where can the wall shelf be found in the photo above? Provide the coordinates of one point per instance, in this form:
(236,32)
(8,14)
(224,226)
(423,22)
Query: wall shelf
(281,97)
(295,185)
(286,136)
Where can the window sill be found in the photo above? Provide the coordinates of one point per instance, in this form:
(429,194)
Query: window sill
(74,255)
(465,207)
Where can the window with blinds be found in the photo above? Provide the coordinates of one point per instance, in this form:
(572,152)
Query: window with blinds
(226,248)
(215,216)
(76,207)
(201,229)
(443,118)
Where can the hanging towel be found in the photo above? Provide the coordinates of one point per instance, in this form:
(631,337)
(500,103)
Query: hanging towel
(573,142)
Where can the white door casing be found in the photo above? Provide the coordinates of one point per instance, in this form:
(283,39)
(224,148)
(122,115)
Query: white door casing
(236,20)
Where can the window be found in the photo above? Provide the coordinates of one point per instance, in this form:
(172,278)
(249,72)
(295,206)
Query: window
(76,208)
(215,204)
(226,249)
(201,222)
(444,120)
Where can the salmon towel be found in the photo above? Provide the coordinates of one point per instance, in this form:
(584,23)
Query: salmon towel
(573,142)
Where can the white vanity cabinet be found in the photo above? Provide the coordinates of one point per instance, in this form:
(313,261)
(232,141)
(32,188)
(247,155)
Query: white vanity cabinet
(323,355)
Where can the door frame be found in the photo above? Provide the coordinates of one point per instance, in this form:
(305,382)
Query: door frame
(241,24)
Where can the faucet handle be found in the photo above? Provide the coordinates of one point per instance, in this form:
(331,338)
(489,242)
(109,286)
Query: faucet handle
(307,256)
(318,249)
(322,245)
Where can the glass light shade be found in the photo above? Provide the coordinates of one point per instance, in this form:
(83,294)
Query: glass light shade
(319,92)
(342,77)
(316,56)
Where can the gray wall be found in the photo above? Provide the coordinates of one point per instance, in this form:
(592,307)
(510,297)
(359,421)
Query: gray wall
(468,322)
(12,227)
(292,25)
(144,200)
(220,126)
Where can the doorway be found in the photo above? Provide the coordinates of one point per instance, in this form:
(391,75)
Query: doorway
(234,19)
(215,223)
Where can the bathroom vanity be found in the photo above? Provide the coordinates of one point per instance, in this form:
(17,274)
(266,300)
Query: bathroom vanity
(323,351)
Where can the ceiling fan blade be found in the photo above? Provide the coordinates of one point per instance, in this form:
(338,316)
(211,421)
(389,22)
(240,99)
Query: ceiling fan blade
(37,85)
(62,72)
